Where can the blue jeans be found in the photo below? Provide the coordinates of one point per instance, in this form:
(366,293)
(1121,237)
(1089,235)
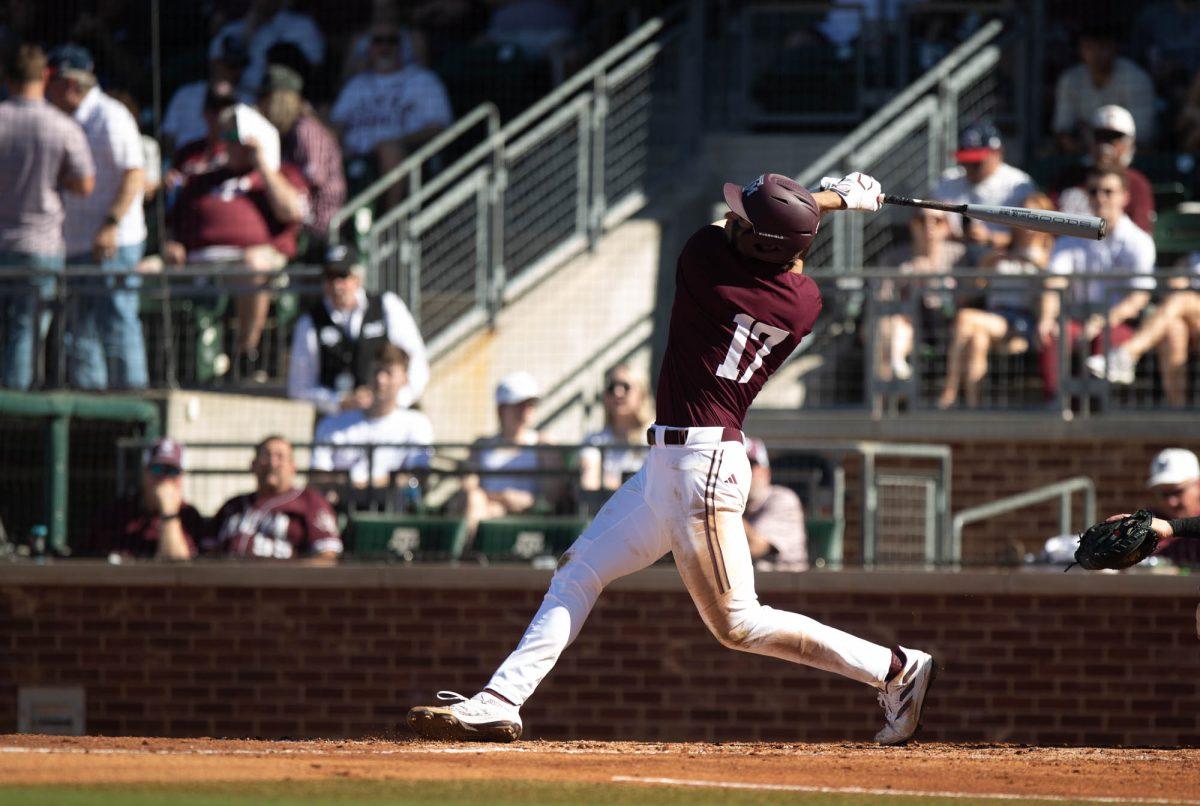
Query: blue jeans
(20,301)
(103,334)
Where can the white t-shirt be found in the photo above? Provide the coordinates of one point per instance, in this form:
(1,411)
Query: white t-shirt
(374,107)
(116,145)
(1127,249)
(1076,98)
(622,460)
(1006,186)
(494,455)
(400,427)
(285,26)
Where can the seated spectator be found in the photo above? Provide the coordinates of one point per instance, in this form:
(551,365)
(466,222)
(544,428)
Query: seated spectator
(306,143)
(267,23)
(1096,305)
(184,122)
(774,517)
(278,520)
(535,26)
(237,206)
(1175,484)
(1111,146)
(982,177)
(1007,319)
(1101,78)
(934,253)
(334,342)
(43,154)
(1172,328)
(105,343)
(387,112)
(413,48)
(155,522)
(506,480)
(384,423)
(623,437)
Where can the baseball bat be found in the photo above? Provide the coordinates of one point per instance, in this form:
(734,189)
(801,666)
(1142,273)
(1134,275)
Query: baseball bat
(1076,226)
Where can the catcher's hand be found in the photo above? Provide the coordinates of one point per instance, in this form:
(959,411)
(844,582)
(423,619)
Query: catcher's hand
(1117,543)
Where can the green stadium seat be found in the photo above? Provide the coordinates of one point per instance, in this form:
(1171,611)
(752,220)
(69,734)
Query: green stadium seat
(407,537)
(824,542)
(1176,233)
(1167,167)
(522,538)
(1168,194)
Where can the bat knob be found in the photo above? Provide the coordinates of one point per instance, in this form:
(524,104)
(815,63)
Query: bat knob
(1103,230)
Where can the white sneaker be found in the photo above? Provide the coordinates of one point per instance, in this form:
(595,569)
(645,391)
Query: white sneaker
(482,718)
(901,369)
(903,698)
(1117,366)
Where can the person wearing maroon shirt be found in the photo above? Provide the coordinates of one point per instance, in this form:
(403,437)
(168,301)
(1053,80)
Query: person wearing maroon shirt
(234,208)
(278,520)
(155,522)
(742,304)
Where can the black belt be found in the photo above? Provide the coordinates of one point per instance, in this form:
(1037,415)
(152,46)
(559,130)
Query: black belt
(678,436)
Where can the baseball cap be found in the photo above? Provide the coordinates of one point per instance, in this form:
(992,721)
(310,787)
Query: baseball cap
(756,452)
(166,452)
(1114,118)
(517,387)
(343,260)
(232,50)
(71,58)
(977,141)
(281,77)
(1173,466)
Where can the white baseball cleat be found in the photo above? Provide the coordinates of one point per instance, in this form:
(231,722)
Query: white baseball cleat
(903,698)
(482,718)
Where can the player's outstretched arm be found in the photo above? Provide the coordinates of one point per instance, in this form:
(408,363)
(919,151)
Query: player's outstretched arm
(1161,528)
(855,191)
(1182,527)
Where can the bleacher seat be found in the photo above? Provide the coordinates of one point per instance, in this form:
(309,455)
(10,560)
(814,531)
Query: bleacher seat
(520,538)
(1169,194)
(406,537)
(1176,233)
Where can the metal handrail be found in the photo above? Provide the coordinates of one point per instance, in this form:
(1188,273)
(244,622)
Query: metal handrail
(412,165)
(1061,490)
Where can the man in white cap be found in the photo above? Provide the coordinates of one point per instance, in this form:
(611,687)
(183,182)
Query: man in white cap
(1175,484)
(1111,145)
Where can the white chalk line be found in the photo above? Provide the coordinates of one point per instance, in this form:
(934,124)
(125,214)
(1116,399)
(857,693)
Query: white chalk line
(915,793)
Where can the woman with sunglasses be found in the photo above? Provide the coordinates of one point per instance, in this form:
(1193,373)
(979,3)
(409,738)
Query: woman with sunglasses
(620,446)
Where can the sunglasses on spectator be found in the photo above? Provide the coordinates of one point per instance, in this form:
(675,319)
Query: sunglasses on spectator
(164,471)
(614,386)
(1107,135)
(1172,492)
(330,276)
(1099,191)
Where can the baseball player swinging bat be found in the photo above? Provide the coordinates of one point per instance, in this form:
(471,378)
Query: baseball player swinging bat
(1076,226)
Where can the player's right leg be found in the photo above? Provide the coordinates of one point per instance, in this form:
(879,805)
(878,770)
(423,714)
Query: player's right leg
(624,537)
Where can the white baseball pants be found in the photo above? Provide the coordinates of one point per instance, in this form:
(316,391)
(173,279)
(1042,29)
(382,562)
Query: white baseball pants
(686,499)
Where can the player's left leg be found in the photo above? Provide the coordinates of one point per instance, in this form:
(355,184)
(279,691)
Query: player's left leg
(713,557)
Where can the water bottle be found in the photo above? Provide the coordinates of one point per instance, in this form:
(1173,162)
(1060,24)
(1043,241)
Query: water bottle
(37,542)
(411,495)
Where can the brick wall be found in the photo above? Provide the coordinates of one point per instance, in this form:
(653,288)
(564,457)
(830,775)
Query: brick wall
(1031,658)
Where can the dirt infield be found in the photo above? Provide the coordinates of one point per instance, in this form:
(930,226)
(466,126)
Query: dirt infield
(1155,775)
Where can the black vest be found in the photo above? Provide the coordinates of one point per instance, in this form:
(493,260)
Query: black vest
(346,362)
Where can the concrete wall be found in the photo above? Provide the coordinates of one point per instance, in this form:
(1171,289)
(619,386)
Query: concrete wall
(273,651)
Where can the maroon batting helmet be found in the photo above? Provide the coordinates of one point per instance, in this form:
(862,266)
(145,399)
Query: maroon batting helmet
(782,213)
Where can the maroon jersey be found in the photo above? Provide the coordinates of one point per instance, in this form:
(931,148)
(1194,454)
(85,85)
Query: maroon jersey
(297,523)
(734,321)
(216,207)
(126,528)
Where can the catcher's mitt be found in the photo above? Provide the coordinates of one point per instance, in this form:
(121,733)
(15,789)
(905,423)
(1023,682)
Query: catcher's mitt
(1117,544)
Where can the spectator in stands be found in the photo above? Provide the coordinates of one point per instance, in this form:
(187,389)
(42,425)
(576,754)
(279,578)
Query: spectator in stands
(384,423)
(505,481)
(1111,146)
(1167,32)
(42,152)
(1187,124)
(1172,328)
(934,252)
(306,143)
(184,122)
(1096,305)
(237,206)
(278,520)
(154,522)
(620,444)
(1175,483)
(335,341)
(1101,78)
(982,177)
(536,26)
(389,111)
(107,228)
(1007,320)
(267,23)
(413,48)
(774,517)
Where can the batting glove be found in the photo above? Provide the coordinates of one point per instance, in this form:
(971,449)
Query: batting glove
(858,191)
